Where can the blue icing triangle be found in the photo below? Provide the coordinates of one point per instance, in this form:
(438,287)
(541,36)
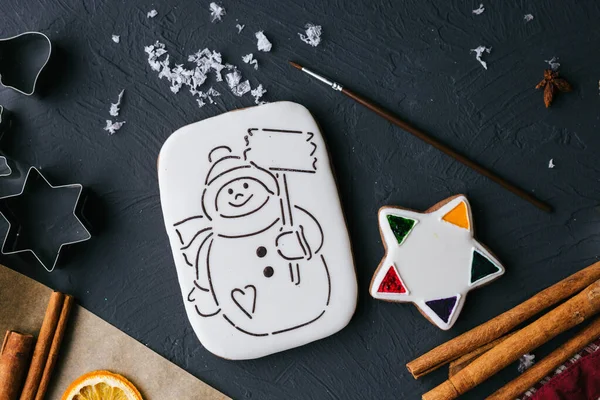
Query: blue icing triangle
(443,307)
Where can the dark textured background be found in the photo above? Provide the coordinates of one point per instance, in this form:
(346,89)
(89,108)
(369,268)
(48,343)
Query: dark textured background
(412,57)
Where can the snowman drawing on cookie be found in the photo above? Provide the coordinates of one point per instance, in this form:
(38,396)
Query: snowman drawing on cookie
(258,267)
(247,216)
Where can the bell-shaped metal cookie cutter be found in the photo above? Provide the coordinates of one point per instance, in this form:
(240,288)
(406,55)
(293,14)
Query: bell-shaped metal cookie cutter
(5,169)
(22,59)
(39,222)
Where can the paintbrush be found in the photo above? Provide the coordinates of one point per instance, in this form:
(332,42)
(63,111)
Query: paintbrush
(428,139)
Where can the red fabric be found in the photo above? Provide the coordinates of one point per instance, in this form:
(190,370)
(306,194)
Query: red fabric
(581,381)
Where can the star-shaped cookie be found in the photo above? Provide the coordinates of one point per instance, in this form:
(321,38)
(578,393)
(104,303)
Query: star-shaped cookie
(432,259)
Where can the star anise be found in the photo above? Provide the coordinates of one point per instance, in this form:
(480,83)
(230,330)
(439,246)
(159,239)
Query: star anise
(551,83)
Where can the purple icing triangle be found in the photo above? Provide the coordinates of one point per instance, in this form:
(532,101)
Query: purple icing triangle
(443,307)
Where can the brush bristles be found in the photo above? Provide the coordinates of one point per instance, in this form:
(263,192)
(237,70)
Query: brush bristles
(293,64)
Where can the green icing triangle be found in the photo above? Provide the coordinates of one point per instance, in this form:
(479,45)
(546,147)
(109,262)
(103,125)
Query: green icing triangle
(400,226)
(481,267)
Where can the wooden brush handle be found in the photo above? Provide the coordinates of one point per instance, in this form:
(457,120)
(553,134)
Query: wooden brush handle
(449,151)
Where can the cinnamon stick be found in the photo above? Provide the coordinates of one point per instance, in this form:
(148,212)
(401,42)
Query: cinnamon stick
(465,360)
(15,355)
(55,347)
(549,363)
(574,311)
(42,347)
(503,323)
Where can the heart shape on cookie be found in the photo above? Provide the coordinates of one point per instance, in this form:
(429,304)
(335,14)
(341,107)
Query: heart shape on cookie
(245,299)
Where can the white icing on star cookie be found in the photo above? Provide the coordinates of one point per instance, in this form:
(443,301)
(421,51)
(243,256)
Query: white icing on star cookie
(256,227)
(432,259)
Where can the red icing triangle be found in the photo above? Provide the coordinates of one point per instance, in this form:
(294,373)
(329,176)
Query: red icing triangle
(391,283)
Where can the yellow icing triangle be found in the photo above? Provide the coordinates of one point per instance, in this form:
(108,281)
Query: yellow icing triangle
(458,216)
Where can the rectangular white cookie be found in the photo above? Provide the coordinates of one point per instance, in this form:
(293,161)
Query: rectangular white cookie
(257,231)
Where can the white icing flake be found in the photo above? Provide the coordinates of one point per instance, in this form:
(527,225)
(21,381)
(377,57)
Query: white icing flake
(154,52)
(240,28)
(479,11)
(112,127)
(116,38)
(527,17)
(525,362)
(216,12)
(115,107)
(262,43)
(152,14)
(242,88)
(207,96)
(234,80)
(249,59)
(553,63)
(551,163)
(212,93)
(313,35)
(479,52)
(257,93)
(206,62)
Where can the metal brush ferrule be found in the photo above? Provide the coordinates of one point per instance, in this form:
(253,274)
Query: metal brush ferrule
(333,85)
(336,86)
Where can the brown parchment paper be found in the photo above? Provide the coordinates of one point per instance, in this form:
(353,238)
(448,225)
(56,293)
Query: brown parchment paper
(91,344)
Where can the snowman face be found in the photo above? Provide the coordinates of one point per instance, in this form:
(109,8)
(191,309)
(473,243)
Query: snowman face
(241,197)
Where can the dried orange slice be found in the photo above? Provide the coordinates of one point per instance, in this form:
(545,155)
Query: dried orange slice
(101,385)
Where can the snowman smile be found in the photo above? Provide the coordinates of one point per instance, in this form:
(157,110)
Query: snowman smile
(242,203)
(244,209)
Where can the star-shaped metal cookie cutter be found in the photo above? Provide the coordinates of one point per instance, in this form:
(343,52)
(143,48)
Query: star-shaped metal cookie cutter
(17,237)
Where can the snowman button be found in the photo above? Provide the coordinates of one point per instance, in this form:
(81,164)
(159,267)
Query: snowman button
(261,252)
(268,272)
